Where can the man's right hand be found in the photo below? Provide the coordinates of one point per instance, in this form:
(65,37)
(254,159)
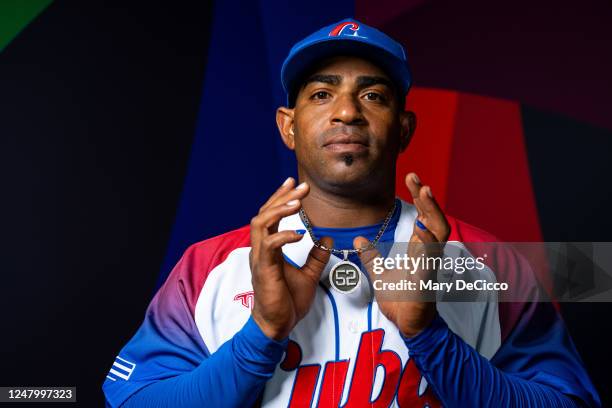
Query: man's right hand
(283,293)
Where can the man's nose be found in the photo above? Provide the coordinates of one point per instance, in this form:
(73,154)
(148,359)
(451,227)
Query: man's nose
(347,110)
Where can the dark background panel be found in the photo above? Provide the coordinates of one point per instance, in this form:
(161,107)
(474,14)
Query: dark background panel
(98,106)
(549,54)
(570,169)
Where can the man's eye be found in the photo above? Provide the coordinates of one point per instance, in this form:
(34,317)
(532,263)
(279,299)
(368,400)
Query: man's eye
(373,96)
(320,95)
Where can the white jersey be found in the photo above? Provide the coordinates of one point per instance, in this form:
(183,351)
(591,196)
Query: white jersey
(334,328)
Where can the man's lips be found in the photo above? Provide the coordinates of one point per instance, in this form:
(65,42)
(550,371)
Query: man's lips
(346,144)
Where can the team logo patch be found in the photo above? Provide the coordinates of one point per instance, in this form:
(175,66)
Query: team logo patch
(247,299)
(121,369)
(346,28)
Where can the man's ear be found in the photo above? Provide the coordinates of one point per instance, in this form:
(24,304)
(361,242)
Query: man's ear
(286,126)
(408,126)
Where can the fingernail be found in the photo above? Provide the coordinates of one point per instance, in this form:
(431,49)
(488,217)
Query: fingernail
(421,225)
(301,231)
(429,193)
(301,186)
(416,179)
(288,181)
(293,203)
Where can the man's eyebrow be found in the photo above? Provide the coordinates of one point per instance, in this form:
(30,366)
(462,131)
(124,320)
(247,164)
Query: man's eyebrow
(365,81)
(326,79)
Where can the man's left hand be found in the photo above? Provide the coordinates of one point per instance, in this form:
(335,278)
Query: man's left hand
(411,317)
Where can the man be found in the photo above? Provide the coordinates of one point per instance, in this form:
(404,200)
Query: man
(278,313)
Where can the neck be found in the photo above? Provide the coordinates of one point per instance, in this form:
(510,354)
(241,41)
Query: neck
(330,210)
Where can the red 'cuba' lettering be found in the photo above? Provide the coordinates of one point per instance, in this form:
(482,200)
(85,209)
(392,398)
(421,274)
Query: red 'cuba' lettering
(333,384)
(408,393)
(304,386)
(369,357)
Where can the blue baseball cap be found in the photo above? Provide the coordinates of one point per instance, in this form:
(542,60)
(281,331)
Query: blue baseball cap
(347,37)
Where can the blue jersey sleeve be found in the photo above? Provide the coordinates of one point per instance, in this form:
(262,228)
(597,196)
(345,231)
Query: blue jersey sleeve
(233,376)
(537,365)
(167,364)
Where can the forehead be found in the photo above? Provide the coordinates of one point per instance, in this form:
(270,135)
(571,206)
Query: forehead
(347,67)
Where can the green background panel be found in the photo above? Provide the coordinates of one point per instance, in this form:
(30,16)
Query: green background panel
(15,15)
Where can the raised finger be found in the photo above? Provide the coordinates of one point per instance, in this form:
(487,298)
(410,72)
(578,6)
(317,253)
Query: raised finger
(413,183)
(293,194)
(317,259)
(267,221)
(270,245)
(432,215)
(284,188)
(429,205)
(296,193)
(271,216)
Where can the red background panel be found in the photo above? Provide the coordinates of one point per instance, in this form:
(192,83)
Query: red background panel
(470,149)
(429,151)
(489,184)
